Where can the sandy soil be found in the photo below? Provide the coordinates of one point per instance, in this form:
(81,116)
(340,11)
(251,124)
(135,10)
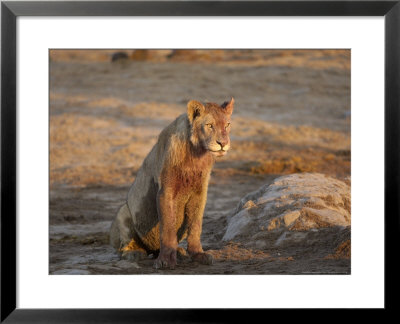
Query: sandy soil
(292,114)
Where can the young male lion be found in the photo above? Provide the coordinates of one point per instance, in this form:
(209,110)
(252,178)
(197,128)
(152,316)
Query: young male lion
(166,202)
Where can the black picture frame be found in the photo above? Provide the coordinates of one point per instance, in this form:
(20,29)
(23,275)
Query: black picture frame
(9,13)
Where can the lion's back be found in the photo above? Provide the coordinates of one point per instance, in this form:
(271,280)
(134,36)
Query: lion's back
(142,196)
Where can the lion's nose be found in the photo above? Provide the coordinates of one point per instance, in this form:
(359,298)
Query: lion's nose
(222,143)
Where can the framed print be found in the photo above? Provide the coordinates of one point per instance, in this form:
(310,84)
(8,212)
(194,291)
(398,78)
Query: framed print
(213,150)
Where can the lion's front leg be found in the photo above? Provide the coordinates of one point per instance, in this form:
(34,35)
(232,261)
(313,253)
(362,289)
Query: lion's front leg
(167,210)
(194,211)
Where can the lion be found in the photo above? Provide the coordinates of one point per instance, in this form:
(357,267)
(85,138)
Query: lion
(166,201)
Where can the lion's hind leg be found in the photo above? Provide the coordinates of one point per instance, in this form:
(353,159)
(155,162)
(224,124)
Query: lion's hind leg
(124,238)
(133,251)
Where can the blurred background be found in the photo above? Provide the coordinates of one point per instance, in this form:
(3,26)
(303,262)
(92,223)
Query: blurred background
(107,107)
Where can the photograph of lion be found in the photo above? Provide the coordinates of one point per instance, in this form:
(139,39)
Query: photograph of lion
(200,161)
(166,202)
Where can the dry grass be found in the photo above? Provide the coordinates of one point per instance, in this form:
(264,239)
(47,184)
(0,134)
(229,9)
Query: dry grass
(320,59)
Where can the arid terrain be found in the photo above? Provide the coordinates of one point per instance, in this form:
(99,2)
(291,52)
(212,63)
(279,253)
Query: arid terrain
(292,115)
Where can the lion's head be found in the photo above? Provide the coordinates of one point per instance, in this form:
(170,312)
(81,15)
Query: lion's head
(210,126)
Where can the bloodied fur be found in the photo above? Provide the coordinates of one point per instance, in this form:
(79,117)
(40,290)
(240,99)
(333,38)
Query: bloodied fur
(166,202)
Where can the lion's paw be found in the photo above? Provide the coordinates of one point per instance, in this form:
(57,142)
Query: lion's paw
(134,256)
(203,258)
(166,259)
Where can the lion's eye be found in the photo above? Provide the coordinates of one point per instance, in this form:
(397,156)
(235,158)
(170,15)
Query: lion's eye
(209,126)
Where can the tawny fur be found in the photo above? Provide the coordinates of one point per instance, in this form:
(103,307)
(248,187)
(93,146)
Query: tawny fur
(165,204)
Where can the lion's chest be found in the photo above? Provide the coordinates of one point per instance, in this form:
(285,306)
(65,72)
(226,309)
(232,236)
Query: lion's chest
(188,182)
(189,178)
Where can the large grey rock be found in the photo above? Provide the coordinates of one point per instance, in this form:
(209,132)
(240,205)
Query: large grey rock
(289,208)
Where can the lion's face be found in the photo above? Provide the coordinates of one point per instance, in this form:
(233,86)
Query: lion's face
(210,126)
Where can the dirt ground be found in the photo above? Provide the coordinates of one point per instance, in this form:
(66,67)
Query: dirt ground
(292,114)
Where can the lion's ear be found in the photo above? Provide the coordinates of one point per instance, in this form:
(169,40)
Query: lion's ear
(228,106)
(194,109)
